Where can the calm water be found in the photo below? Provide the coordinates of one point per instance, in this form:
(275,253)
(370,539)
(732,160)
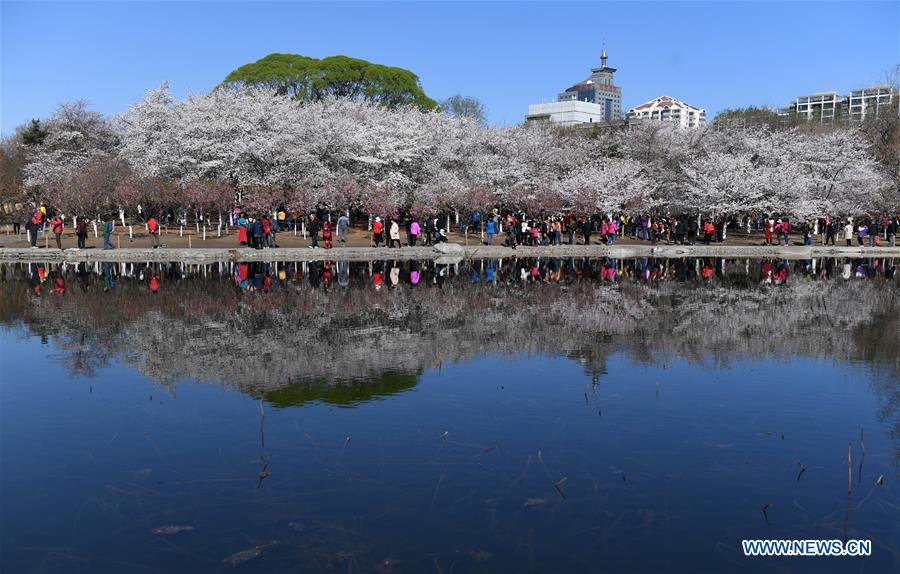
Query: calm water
(493,416)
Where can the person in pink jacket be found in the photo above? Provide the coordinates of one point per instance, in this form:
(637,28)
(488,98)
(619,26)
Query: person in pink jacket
(414,231)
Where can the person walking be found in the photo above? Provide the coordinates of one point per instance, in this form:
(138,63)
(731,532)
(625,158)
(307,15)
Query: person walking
(58,223)
(343,225)
(490,229)
(891,231)
(153,229)
(107,233)
(414,231)
(81,232)
(377,232)
(394,234)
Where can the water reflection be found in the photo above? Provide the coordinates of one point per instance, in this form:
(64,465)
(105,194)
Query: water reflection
(342,321)
(346,395)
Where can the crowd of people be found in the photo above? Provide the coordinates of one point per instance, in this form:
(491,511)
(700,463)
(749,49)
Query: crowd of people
(515,226)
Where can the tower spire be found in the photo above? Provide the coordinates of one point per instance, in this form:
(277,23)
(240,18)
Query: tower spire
(603,56)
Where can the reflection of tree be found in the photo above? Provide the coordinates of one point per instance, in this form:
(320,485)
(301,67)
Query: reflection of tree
(347,394)
(208,329)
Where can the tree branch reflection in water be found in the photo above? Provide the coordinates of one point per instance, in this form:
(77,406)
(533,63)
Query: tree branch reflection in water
(314,331)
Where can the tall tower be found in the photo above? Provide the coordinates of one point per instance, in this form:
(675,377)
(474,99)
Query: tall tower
(598,88)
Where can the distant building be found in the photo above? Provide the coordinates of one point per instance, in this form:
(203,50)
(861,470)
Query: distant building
(823,107)
(596,99)
(566,113)
(832,107)
(872,101)
(668,109)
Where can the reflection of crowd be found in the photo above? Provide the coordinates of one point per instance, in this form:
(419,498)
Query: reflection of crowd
(265,277)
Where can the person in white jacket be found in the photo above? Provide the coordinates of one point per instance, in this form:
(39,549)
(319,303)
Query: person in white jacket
(395,234)
(848,232)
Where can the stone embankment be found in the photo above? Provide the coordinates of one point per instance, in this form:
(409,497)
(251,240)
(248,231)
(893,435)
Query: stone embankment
(448,252)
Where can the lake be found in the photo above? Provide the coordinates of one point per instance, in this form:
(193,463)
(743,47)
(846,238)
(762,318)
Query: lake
(530,415)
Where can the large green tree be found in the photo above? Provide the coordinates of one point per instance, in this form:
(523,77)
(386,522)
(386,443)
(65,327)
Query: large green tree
(311,79)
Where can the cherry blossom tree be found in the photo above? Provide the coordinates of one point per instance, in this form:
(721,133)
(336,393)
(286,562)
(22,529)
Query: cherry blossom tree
(273,151)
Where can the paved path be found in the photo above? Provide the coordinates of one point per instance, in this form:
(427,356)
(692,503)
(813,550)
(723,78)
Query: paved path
(447,251)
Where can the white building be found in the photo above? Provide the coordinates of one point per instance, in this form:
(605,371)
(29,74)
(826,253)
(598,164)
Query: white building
(596,99)
(820,106)
(668,109)
(871,101)
(567,113)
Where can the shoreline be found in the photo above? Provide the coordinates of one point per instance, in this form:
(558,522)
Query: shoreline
(450,252)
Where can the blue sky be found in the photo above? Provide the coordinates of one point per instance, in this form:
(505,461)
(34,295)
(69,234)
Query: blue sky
(508,54)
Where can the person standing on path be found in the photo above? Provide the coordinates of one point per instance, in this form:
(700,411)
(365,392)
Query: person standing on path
(769,229)
(863,231)
(343,225)
(326,234)
(57,223)
(32,226)
(242,229)
(874,229)
(709,231)
(153,229)
(81,232)
(848,232)
(266,224)
(313,231)
(586,228)
(831,230)
(491,229)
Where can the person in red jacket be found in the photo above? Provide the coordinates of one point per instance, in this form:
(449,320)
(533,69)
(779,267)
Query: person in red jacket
(57,223)
(377,231)
(267,232)
(326,234)
(709,231)
(153,228)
